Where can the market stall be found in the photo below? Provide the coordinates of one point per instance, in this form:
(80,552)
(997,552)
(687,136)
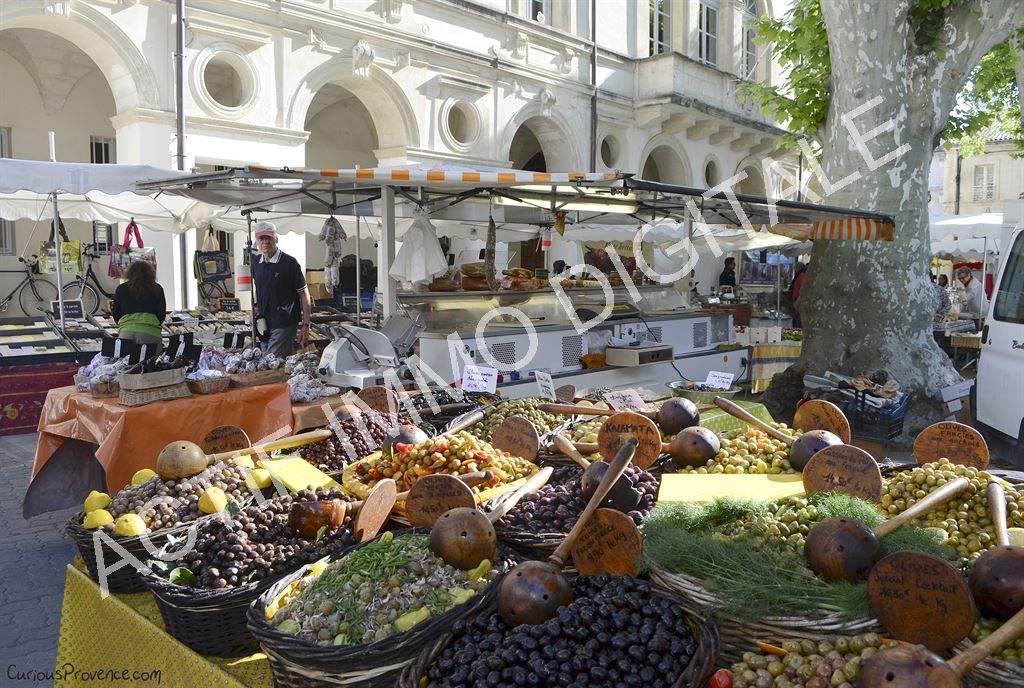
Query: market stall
(729,504)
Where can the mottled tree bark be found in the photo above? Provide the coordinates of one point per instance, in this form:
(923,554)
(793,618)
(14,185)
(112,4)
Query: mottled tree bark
(869,305)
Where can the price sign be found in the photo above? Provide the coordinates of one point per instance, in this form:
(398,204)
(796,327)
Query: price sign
(545,384)
(117,348)
(625,400)
(234,340)
(229,305)
(72,309)
(141,352)
(959,443)
(719,380)
(191,324)
(178,345)
(479,379)
(844,468)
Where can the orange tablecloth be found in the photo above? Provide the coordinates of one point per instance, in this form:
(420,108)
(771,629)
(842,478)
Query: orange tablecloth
(130,438)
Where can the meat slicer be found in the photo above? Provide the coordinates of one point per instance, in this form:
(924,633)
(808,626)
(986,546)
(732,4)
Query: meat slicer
(358,357)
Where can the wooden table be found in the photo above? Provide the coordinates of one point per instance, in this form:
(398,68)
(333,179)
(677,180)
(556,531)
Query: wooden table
(86,443)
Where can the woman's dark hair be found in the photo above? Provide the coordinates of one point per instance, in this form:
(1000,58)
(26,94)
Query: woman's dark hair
(559,266)
(141,277)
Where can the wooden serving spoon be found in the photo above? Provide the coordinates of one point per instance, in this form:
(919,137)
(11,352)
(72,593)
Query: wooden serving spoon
(674,415)
(307,518)
(801,449)
(845,549)
(533,591)
(916,667)
(184,459)
(622,496)
(997,577)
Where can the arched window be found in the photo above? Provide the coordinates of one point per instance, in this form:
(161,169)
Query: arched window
(750,15)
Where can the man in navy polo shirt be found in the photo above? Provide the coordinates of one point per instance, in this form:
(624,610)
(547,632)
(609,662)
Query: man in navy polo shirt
(282,299)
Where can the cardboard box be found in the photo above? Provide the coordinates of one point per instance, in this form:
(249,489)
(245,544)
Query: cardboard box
(314,277)
(319,291)
(956,402)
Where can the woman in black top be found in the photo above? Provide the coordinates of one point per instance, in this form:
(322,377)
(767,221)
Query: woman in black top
(139,306)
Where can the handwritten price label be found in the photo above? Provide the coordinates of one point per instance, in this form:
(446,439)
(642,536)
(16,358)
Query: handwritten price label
(545,385)
(625,400)
(719,380)
(479,379)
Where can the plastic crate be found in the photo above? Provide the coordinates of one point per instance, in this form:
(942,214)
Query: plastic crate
(870,423)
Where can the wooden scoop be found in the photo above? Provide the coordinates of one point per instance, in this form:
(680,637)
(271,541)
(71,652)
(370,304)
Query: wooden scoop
(184,459)
(533,591)
(801,449)
(845,549)
(466,421)
(465,536)
(674,415)
(621,497)
(915,666)
(307,518)
(997,577)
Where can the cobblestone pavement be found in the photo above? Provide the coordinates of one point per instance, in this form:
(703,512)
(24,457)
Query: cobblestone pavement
(33,557)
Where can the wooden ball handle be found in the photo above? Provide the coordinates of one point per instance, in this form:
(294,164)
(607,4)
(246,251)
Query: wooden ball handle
(997,511)
(924,505)
(283,443)
(1004,635)
(465,422)
(569,449)
(737,411)
(616,469)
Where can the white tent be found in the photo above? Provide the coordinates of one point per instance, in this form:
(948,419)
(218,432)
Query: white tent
(962,227)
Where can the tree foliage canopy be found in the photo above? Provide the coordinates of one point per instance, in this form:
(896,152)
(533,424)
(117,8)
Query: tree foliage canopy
(799,42)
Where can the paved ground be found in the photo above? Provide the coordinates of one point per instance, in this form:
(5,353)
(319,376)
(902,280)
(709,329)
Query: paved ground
(33,556)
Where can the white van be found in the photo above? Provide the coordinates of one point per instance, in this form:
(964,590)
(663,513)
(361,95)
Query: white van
(997,397)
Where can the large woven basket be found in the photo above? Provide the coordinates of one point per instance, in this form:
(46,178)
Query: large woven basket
(738,635)
(262,377)
(210,385)
(296,663)
(141,397)
(994,672)
(696,674)
(126,578)
(141,381)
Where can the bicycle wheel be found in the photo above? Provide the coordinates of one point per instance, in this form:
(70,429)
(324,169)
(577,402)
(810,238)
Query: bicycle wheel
(84,292)
(211,290)
(38,292)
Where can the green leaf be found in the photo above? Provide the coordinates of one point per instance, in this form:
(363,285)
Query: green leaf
(182,576)
(320,533)
(159,565)
(232,508)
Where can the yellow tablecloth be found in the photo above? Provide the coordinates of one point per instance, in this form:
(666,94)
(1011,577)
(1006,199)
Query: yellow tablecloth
(767,360)
(123,636)
(717,420)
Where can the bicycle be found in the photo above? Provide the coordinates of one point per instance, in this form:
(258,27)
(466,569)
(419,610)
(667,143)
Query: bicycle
(212,290)
(87,288)
(32,292)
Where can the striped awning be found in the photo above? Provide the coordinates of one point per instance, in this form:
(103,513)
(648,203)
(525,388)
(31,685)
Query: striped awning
(440,176)
(852,229)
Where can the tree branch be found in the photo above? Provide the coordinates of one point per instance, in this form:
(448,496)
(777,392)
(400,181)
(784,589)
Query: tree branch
(972,29)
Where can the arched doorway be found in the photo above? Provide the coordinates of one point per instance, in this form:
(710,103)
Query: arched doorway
(540,144)
(664,164)
(341,131)
(526,152)
(753,183)
(52,85)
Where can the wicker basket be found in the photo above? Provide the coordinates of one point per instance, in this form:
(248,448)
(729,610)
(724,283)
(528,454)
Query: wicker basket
(131,397)
(994,672)
(696,674)
(210,385)
(262,377)
(738,635)
(104,390)
(127,578)
(141,381)
(296,663)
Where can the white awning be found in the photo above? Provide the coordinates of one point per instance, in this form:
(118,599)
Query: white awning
(45,177)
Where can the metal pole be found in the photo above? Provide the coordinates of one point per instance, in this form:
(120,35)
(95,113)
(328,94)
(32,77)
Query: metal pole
(58,243)
(179,101)
(778,288)
(385,282)
(984,273)
(593,84)
(252,274)
(359,273)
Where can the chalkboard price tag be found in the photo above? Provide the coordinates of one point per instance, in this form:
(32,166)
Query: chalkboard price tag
(72,308)
(229,305)
(234,340)
(115,347)
(141,352)
(178,344)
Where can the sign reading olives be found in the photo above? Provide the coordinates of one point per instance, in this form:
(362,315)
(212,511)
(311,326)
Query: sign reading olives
(959,443)
(623,426)
(844,468)
(609,543)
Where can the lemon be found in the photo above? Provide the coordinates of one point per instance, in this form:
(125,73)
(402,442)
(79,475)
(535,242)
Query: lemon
(258,479)
(213,500)
(143,476)
(96,500)
(318,567)
(129,525)
(97,518)
(1016,536)
(245,461)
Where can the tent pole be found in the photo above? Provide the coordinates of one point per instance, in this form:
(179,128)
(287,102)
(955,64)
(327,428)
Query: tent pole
(59,245)
(984,275)
(359,274)
(778,288)
(179,99)
(252,275)
(387,285)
